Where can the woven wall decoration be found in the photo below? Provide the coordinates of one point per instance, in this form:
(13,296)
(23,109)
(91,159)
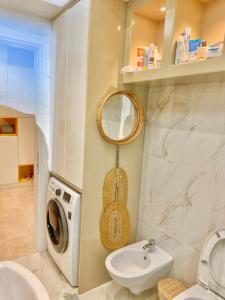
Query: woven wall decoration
(115,223)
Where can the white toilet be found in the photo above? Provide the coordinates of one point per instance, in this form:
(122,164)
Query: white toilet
(211,271)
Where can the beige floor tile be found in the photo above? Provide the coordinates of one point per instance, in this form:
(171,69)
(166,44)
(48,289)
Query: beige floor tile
(15,248)
(16,222)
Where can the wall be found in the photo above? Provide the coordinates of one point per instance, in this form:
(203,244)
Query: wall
(105,60)
(183,173)
(160,36)
(189,13)
(213,21)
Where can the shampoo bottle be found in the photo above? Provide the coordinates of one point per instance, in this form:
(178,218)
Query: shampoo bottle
(187,36)
(151,57)
(179,57)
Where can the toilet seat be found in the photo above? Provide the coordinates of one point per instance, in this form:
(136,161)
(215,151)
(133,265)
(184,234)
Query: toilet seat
(211,271)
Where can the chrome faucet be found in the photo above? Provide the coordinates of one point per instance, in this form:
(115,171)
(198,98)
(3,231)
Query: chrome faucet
(150,245)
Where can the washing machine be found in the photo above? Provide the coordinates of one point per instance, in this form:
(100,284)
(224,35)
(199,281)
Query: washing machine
(63,224)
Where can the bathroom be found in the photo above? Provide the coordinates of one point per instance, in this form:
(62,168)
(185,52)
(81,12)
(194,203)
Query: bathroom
(165,60)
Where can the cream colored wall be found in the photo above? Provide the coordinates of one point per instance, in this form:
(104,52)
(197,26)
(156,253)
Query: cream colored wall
(144,33)
(213,21)
(189,14)
(105,60)
(160,36)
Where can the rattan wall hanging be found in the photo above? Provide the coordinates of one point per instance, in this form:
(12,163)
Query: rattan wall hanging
(115,223)
(120,119)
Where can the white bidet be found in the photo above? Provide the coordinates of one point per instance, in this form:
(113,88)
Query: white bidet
(138,269)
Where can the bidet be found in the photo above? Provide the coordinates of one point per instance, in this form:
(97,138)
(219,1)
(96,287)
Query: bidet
(138,269)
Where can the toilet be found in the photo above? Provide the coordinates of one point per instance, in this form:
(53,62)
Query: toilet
(211,271)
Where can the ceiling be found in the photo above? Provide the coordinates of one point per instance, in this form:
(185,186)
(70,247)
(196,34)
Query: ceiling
(37,7)
(151,10)
(49,11)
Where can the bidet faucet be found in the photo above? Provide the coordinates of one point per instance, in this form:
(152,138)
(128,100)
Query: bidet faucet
(150,245)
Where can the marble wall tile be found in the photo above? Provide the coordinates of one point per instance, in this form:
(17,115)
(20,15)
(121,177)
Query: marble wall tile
(183,171)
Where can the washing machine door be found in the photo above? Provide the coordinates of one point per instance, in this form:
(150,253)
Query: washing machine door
(57,226)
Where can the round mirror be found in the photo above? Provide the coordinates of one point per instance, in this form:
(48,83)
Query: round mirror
(120,117)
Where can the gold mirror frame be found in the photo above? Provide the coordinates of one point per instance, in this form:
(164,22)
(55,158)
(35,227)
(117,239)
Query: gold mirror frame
(139,121)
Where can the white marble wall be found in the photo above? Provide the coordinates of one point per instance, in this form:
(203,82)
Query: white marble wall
(183,175)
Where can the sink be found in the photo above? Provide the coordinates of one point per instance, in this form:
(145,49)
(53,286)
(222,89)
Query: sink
(138,269)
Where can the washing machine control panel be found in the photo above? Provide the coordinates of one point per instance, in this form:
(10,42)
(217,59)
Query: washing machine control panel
(58,192)
(66,197)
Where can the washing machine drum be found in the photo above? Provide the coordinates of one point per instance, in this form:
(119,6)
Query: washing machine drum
(211,271)
(57,226)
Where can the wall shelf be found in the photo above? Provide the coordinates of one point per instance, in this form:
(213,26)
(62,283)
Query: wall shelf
(206,20)
(8,126)
(26,173)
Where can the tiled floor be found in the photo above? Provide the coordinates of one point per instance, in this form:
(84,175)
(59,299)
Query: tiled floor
(45,269)
(58,288)
(16,222)
(112,291)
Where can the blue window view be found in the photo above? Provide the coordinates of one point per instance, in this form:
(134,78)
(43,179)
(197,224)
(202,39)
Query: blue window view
(20,57)
(18,76)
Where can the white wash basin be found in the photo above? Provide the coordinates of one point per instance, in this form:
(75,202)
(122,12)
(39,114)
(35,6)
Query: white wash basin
(138,269)
(18,283)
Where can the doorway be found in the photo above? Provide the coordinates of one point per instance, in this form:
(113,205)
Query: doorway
(18,147)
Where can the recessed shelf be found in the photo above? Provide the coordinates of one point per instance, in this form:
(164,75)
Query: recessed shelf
(8,126)
(206,19)
(147,27)
(204,71)
(26,173)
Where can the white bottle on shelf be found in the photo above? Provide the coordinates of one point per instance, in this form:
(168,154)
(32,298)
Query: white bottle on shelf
(151,57)
(187,36)
(180,51)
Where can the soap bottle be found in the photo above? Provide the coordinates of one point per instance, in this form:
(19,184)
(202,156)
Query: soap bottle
(202,51)
(158,58)
(151,57)
(179,56)
(187,36)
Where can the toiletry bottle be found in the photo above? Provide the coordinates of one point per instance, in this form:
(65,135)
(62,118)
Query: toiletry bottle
(202,51)
(187,36)
(157,57)
(151,57)
(179,56)
(140,58)
(145,58)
